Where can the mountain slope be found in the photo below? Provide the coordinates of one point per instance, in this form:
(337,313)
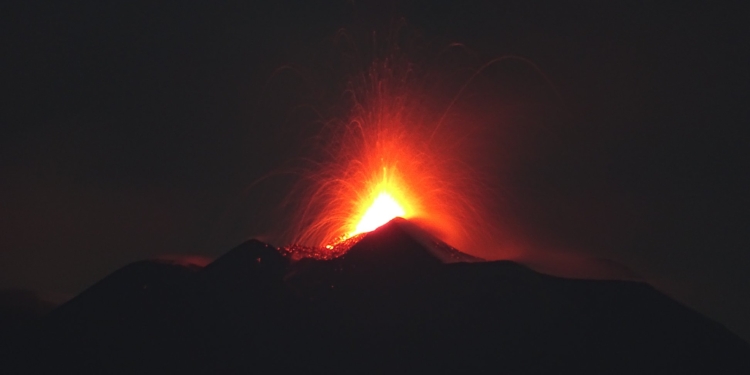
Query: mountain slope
(397,301)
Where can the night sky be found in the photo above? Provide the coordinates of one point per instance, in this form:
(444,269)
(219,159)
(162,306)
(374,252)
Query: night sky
(134,130)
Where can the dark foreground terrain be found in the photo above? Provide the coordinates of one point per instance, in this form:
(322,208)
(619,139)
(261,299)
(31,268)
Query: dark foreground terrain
(395,303)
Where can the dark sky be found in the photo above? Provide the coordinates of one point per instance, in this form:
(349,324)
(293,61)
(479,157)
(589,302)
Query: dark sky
(133,130)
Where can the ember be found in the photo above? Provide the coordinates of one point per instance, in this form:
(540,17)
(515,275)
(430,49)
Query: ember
(400,144)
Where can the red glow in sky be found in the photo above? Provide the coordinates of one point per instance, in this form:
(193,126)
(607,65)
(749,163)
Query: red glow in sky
(401,144)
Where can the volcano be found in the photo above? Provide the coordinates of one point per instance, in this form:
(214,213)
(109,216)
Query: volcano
(398,301)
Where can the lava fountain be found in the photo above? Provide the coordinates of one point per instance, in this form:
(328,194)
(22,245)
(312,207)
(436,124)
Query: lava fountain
(404,142)
(383,209)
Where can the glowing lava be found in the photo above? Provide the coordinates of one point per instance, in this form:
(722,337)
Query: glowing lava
(379,199)
(382,210)
(401,141)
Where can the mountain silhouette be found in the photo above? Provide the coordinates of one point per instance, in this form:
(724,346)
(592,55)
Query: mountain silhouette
(398,301)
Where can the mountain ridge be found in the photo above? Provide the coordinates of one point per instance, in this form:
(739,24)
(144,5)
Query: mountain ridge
(390,302)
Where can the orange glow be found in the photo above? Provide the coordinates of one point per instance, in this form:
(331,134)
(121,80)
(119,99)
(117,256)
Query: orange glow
(401,143)
(382,209)
(387,160)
